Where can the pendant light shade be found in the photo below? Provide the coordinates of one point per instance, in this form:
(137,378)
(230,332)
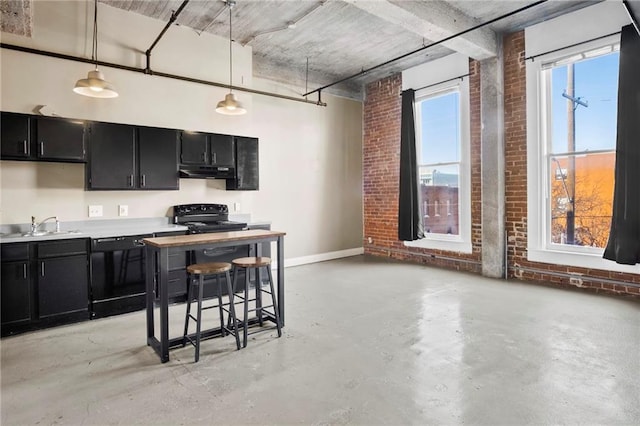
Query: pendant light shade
(95,86)
(230,105)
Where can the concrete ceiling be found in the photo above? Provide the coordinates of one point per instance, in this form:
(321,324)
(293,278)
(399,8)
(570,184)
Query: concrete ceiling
(340,38)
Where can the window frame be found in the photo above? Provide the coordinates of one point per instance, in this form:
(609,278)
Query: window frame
(540,248)
(462,242)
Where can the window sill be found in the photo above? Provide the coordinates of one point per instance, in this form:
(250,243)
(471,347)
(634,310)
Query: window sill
(581,260)
(442,242)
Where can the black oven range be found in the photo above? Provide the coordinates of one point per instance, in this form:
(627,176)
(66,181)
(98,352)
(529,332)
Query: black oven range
(203,218)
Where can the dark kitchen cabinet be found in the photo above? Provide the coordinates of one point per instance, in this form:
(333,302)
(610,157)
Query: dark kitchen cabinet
(158,158)
(60,139)
(247,176)
(44,284)
(112,156)
(194,147)
(38,138)
(62,285)
(124,157)
(15,134)
(206,149)
(222,154)
(15,285)
(62,278)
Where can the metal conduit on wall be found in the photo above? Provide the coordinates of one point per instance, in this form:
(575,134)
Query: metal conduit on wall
(156,73)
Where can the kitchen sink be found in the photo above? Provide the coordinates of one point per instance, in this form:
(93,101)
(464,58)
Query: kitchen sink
(48,233)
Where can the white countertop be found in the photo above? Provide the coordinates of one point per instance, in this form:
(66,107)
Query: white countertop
(103,228)
(91,229)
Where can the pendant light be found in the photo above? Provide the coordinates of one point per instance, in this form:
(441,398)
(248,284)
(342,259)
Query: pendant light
(95,85)
(230,105)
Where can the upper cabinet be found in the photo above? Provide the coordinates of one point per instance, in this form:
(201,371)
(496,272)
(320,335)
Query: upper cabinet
(15,142)
(247,173)
(194,147)
(157,158)
(112,157)
(128,157)
(205,149)
(28,137)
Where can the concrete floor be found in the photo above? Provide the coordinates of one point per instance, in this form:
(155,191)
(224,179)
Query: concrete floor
(366,341)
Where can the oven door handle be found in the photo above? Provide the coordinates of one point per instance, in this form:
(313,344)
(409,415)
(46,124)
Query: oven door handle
(109,240)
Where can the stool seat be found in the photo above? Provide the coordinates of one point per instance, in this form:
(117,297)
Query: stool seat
(208,268)
(251,262)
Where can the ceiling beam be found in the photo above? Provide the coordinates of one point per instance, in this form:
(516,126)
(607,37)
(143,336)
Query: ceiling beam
(434,20)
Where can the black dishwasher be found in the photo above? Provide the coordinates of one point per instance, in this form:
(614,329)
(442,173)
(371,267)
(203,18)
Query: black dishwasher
(117,275)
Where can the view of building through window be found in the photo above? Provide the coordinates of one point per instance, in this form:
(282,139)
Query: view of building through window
(581,147)
(439,161)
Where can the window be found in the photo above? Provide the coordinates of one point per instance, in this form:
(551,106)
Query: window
(571,124)
(581,93)
(442,138)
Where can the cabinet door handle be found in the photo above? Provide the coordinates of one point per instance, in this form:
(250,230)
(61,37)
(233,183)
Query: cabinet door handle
(42,268)
(130,180)
(25,147)
(42,149)
(214,158)
(204,157)
(144,181)
(24,270)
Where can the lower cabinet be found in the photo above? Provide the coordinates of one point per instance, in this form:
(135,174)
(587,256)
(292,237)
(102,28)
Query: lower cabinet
(43,284)
(62,286)
(16,293)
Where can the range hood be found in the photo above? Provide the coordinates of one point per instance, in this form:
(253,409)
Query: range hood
(207,172)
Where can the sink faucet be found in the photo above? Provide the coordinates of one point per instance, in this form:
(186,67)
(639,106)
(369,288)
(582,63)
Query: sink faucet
(35,226)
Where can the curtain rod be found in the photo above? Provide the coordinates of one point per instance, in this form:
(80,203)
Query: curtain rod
(533,57)
(156,73)
(461,33)
(461,77)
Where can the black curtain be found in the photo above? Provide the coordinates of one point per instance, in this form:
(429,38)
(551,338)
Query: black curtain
(409,224)
(624,239)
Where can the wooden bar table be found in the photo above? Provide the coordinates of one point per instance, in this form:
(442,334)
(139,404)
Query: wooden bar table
(157,270)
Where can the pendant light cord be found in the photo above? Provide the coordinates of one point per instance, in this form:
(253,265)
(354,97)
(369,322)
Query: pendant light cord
(94,48)
(230,54)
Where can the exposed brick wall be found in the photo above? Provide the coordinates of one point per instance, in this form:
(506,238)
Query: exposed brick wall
(516,189)
(381,164)
(381,169)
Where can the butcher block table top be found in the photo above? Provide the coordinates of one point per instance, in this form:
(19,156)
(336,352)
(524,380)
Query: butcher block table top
(216,237)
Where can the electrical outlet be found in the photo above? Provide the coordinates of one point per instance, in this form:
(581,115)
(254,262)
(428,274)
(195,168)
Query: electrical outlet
(95,211)
(123,210)
(236,207)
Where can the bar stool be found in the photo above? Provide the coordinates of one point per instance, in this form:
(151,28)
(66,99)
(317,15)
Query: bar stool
(255,263)
(197,273)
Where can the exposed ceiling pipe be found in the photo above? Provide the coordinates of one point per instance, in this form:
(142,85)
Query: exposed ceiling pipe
(484,24)
(212,20)
(156,73)
(174,16)
(289,25)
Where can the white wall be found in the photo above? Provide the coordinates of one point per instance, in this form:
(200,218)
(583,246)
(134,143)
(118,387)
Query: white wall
(310,157)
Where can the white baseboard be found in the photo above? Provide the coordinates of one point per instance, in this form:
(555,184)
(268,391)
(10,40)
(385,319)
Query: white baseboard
(297,261)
